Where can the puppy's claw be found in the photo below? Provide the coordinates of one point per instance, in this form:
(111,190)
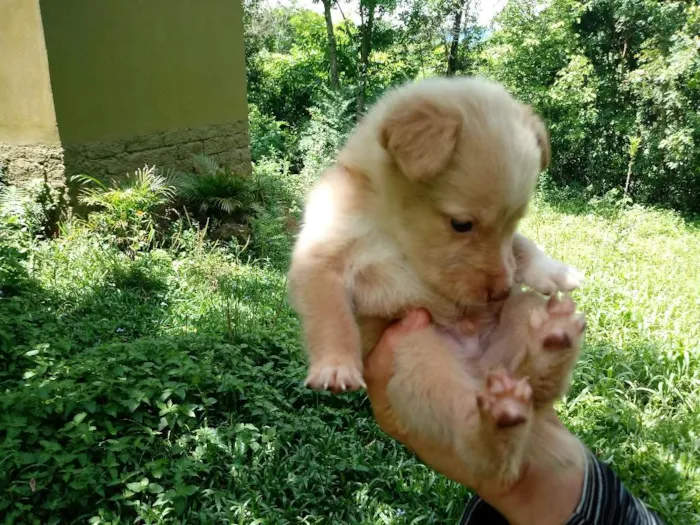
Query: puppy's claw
(505,402)
(335,377)
(549,276)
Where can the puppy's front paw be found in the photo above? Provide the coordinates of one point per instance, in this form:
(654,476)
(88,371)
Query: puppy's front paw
(506,402)
(335,376)
(549,276)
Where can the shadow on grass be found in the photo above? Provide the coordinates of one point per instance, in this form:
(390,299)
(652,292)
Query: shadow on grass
(579,201)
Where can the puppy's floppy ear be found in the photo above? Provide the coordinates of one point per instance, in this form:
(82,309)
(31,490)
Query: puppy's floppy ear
(537,125)
(421,139)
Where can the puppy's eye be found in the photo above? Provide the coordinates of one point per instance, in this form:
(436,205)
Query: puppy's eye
(462,226)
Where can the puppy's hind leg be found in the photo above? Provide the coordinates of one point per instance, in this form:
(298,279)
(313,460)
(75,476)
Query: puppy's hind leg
(555,340)
(506,410)
(539,339)
(487,421)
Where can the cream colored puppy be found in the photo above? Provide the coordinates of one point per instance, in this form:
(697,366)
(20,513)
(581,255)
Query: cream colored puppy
(421,210)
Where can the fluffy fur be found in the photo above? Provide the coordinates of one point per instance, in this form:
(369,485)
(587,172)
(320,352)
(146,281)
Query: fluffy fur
(379,237)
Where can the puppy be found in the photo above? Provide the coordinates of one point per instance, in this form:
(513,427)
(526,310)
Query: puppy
(421,210)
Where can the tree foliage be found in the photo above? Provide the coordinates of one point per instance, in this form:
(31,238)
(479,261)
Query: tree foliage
(617,81)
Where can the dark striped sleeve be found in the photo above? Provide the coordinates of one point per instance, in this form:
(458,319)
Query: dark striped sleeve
(478,512)
(606,501)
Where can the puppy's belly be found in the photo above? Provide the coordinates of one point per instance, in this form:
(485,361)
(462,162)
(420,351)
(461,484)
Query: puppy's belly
(466,348)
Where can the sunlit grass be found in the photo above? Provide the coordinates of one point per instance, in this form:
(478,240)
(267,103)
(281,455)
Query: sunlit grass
(205,339)
(636,394)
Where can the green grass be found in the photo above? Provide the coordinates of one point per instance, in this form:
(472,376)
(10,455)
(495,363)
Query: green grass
(166,386)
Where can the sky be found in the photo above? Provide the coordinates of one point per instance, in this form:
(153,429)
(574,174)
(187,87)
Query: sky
(487,9)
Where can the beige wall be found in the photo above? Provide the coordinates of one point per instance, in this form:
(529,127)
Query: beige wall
(26,106)
(122,68)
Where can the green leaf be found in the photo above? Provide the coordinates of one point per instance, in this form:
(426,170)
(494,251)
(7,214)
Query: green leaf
(187,490)
(51,446)
(154,488)
(138,486)
(78,418)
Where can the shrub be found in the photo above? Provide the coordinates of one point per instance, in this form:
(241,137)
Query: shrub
(32,209)
(128,209)
(269,138)
(279,197)
(331,121)
(214,190)
(25,214)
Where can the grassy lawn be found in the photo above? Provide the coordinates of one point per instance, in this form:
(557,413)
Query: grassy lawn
(167,386)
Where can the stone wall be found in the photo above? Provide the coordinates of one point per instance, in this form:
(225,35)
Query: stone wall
(20,164)
(227,143)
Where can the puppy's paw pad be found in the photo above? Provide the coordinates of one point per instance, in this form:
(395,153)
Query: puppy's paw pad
(335,377)
(557,340)
(557,326)
(505,401)
(561,306)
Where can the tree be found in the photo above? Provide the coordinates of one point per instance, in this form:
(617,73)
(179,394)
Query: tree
(370,12)
(618,82)
(332,46)
(458,12)
(367,10)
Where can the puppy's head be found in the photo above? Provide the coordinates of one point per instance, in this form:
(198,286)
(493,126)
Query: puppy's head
(464,159)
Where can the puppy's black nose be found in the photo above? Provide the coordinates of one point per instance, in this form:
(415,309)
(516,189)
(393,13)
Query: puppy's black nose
(499,295)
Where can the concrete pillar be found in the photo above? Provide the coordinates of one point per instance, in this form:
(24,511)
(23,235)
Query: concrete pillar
(102,87)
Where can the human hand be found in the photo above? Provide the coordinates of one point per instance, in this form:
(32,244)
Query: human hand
(544,495)
(378,370)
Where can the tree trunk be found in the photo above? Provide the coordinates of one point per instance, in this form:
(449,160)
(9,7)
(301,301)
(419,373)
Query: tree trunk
(458,10)
(332,49)
(365,50)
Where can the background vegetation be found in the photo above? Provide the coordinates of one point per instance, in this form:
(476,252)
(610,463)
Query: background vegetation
(617,81)
(151,368)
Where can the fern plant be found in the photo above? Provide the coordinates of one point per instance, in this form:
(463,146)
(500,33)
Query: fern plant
(31,208)
(144,190)
(127,209)
(214,190)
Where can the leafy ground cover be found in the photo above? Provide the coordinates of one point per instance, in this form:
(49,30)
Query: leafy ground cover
(164,385)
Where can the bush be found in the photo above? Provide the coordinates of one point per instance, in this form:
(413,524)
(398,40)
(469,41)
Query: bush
(32,209)
(214,191)
(332,119)
(280,197)
(128,209)
(269,138)
(25,214)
